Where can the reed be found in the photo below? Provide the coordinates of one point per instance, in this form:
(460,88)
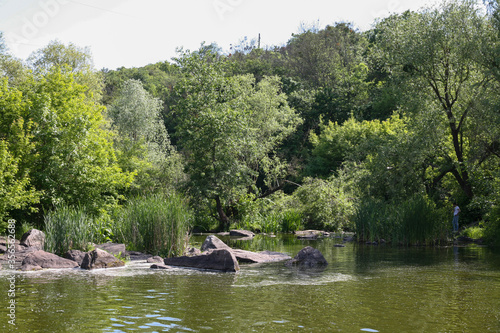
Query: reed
(414,221)
(68,228)
(157,224)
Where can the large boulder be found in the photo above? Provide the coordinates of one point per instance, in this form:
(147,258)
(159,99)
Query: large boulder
(75,255)
(44,259)
(33,238)
(308,257)
(219,260)
(100,259)
(213,243)
(259,257)
(241,233)
(113,248)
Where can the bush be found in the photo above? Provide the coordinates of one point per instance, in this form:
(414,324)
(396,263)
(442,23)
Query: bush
(157,224)
(272,214)
(492,227)
(324,204)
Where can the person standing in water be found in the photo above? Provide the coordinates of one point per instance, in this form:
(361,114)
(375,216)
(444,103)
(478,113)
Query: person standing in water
(456,212)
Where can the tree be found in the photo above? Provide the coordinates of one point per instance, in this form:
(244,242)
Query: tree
(16,191)
(437,51)
(143,142)
(69,58)
(229,128)
(75,163)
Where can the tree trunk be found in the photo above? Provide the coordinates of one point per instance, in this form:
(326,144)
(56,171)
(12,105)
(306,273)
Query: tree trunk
(222,216)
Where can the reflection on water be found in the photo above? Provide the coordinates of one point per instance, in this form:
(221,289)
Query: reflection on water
(364,288)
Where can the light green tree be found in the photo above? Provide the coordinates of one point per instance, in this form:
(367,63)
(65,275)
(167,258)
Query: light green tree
(69,58)
(143,142)
(16,191)
(75,161)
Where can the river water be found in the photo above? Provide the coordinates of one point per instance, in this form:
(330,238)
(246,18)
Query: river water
(363,289)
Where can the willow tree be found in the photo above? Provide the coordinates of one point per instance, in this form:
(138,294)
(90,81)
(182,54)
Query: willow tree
(437,52)
(143,143)
(229,128)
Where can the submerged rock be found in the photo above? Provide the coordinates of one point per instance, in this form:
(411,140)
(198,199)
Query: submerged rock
(44,259)
(308,257)
(160,266)
(100,259)
(311,234)
(218,259)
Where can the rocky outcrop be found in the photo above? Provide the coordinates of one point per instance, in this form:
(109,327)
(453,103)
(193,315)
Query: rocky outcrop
(308,257)
(241,233)
(218,259)
(100,259)
(33,238)
(40,259)
(212,242)
(113,248)
(75,255)
(259,257)
(192,252)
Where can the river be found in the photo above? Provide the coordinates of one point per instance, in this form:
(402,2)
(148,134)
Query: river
(364,288)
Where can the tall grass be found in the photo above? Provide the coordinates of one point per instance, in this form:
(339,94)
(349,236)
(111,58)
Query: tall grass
(68,228)
(157,224)
(413,221)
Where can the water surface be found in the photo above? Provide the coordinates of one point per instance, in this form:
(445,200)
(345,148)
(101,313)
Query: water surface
(363,289)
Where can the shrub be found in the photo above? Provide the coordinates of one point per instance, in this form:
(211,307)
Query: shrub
(325,204)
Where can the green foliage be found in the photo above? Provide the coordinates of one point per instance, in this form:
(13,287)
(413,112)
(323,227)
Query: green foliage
(325,204)
(69,59)
(157,224)
(75,161)
(143,143)
(273,214)
(473,232)
(16,190)
(437,55)
(229,128)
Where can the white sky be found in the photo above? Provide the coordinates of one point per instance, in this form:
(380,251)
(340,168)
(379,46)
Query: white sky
(133,33)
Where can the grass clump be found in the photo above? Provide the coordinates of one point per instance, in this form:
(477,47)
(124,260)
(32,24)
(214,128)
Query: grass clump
(68,228)
(157,224)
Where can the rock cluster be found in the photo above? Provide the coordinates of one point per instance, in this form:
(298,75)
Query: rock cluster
(30,256)
(214,254)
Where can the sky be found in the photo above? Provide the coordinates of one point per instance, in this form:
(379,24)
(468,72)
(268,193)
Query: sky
(134,33)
